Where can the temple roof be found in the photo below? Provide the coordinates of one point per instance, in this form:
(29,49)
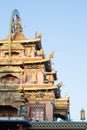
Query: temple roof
(23,60)
(5,69)
(24,40)
(39,86)
(62,103)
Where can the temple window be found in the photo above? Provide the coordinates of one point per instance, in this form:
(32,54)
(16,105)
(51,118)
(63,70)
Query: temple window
(37,112)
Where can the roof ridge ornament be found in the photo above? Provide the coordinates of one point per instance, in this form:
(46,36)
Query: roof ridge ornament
(14,27)
(51,54)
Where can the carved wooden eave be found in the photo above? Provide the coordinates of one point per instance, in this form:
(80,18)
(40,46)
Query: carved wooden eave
(36,60)
(3,89)
(11,69)
(54,73)
(61,106)
(61,112)
(13,46)
(39,96)
(8,61)
(25,60)
(62,103)
(39,87)
(21,41)
(22,60)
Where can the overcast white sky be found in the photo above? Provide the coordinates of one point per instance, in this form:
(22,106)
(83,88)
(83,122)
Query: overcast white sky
(63,25)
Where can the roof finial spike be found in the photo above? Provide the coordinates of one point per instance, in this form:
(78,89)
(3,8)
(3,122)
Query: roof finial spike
(51,54)
(14,27)
(60,84)
(38,35)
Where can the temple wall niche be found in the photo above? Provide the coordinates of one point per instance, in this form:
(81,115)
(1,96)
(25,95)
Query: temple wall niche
(11,75)
(9,79)
(30,52)
(34,76)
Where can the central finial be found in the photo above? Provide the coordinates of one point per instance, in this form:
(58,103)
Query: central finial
(14,28)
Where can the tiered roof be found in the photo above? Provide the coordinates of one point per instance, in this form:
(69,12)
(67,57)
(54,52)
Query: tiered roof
(18,62)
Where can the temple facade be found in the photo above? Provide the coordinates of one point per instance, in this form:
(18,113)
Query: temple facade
(27,79)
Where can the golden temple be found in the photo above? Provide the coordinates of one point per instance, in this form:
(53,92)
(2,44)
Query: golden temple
(29,96)
(27,80)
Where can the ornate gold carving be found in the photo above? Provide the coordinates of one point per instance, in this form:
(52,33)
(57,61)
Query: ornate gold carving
(62,103)
(39,96)
(34,66)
